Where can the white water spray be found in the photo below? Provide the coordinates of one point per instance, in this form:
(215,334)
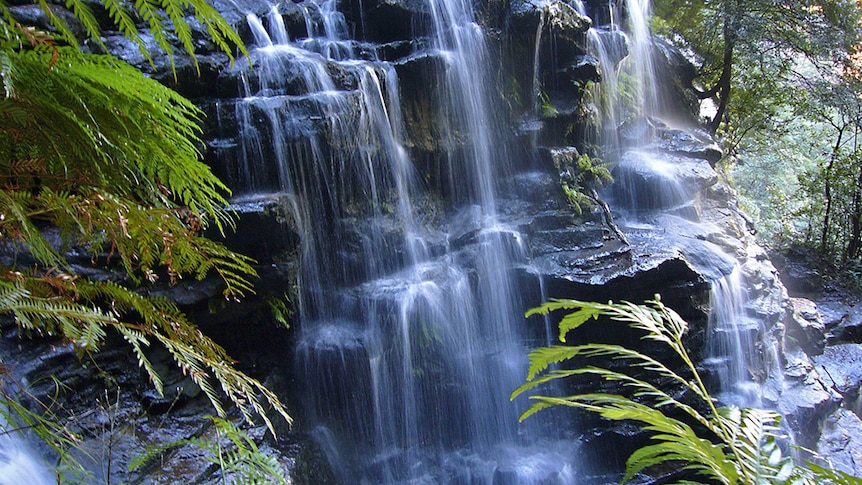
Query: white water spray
(19,463)
(410,334)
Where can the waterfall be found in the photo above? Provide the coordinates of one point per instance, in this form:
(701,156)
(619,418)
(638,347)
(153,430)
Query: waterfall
(650,191)
(627,93)
(467,105)
(642,70)
(411,333)
(609,48)
(731,339)
(535,91)
(18,462)
(411,330)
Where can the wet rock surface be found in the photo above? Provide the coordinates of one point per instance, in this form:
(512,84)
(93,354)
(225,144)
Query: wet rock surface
(841,366)
(840,441)
(109,403)
(829,356)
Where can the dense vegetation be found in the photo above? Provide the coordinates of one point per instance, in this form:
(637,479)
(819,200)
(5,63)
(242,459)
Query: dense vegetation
(786,86)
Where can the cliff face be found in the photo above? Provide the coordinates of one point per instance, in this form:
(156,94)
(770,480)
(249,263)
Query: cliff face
(352,152)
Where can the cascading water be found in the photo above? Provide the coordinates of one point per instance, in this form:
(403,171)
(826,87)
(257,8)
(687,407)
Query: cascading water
(411,330)
(651,192)
(731,341)
(627,93)
(18,462)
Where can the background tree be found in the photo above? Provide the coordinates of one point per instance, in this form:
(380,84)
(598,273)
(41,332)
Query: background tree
(748,50)
(786,90)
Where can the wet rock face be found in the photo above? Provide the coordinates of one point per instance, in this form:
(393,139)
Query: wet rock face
(109,403)
(806,400)
(841,442)
(820,390)
(849,327)
(841,366)
(806,326)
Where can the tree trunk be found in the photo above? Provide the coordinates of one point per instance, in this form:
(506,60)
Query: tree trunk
(854,244)
(827,193)
(722,87)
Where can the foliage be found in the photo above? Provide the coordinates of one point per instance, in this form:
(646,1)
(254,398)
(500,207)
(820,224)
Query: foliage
(239,459)
(282,309)
(785,81)
(815,170)
(582,179)
(688,430)
(98,160)
(749,49)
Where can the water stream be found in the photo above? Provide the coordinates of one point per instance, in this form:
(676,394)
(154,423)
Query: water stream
(411,330)
(649,191)
(19,463)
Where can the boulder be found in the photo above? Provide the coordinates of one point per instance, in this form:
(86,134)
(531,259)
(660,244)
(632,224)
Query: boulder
(805,327)
(678,74)
(691,144)
(646,181)
(849,328)
(584,69)
(841,442)
(841,366)
(32,14)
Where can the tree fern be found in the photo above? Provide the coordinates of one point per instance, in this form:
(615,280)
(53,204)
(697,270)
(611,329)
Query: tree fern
(729,445)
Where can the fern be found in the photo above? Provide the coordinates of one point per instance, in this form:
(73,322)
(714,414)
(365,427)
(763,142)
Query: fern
(54,309)
(739,446)
(111,159)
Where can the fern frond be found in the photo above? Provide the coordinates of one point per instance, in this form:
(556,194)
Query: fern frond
(220,32)
(85,15)
(125,24)
(739,446)
(182,29)
(677,440)
(58,24)
(151,12)
(753,433)
(201,359)
(542,358)
(242,459)
(81,324)
(822,474)
(555,304)
(138,341)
